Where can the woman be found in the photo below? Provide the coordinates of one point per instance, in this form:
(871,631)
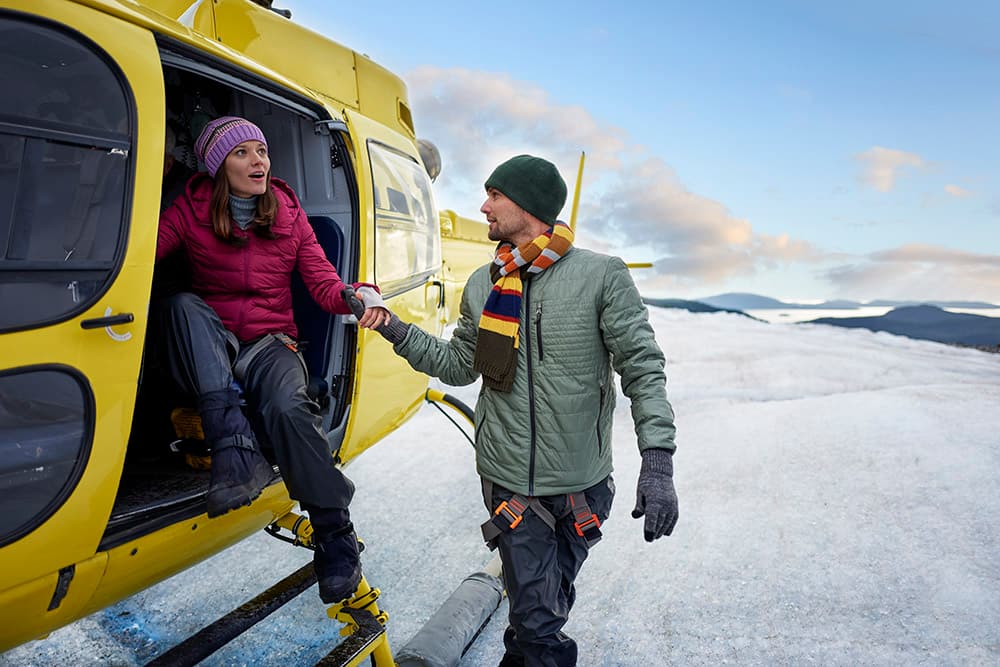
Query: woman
(243,233)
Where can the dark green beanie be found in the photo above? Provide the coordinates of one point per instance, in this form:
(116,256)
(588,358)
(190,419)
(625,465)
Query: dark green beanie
(533,184)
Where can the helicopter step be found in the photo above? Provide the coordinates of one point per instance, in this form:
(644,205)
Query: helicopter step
(365,630)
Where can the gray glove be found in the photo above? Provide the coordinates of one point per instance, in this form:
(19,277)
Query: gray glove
(394,330)
(655,496)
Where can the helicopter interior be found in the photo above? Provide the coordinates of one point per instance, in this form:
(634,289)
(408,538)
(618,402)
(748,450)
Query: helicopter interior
(159,486)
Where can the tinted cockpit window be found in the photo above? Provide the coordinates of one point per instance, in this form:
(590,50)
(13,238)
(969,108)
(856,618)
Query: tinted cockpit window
(64,159)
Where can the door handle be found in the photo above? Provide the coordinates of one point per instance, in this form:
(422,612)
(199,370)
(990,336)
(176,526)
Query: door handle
(440,286)
(107,321)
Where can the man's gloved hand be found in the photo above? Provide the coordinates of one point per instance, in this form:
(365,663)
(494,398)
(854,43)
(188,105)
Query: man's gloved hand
(367,306)
(655,495)
(393,330)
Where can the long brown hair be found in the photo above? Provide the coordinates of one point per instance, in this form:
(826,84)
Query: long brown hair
(222,222)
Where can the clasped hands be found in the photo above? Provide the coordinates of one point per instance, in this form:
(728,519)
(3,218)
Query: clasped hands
(367,305)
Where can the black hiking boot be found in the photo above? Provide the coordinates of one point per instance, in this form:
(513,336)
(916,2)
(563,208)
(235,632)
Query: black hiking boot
(338,563)
(239,471)
(239,474)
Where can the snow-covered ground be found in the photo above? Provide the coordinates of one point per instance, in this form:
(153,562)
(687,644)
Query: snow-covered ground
(839,506)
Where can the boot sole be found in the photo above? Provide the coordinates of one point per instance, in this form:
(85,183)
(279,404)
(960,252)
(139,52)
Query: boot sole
(332,599)
(221,501)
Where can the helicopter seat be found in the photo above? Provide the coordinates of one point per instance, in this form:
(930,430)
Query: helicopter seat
(316,326)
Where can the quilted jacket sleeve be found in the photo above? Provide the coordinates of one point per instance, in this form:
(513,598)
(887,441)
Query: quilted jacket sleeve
(168,234)
(636,357)
(450,360)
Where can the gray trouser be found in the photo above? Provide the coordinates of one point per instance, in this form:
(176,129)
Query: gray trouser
(200,354)
(539,568)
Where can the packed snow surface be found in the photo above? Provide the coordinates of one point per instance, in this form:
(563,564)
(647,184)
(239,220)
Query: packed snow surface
(838,506)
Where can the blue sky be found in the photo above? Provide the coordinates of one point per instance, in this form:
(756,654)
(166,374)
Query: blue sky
(796,149)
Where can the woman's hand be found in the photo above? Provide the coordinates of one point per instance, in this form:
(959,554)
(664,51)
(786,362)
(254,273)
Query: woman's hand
(374,317)
(375,314)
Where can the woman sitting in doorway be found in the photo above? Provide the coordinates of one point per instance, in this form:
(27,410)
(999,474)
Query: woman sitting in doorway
(243,233)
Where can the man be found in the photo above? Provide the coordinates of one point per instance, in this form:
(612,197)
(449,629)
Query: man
(544,324)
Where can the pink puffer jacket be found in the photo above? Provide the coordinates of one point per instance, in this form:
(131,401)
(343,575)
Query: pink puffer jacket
(250,286)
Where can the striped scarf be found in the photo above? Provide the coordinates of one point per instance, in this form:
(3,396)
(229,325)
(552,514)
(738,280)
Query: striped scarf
(497,345)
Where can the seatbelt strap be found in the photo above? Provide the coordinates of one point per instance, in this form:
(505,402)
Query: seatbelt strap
(247,354)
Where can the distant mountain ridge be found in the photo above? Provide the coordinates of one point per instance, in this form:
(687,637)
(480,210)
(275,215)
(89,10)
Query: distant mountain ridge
(691,306)
(927,323)
(924,322)
(748,301)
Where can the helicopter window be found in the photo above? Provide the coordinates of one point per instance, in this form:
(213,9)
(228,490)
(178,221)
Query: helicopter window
(60,81)
(64,155)
(397,202)
(46,419)
(408,241)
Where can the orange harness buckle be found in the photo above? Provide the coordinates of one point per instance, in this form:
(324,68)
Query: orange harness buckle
(586,524)
(511,510)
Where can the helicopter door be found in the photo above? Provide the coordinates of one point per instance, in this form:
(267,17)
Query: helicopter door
(73,290)
(400,251)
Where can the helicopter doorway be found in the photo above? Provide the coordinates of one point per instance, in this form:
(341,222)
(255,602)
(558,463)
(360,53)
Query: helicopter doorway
(162,483)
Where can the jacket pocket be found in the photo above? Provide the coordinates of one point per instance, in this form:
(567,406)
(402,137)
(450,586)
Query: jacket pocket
(538,330)
(600,411)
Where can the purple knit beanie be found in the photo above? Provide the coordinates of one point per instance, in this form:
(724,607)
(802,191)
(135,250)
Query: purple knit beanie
(221,136)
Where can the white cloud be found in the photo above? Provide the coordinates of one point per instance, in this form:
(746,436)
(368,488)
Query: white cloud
(634,204)
(883,165)
(921,271)
(631,200)
(957,191)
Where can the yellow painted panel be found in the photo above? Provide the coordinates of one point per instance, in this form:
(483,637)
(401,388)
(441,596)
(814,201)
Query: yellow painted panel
(143,562)
(465,247)
(306,57)
(111,366)
(386,390)
(24,613)
(194,14)
(380,94)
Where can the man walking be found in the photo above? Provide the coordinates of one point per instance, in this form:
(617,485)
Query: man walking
(544,324)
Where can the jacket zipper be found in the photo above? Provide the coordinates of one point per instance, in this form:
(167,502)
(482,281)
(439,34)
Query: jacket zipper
(538,330)
(531,391)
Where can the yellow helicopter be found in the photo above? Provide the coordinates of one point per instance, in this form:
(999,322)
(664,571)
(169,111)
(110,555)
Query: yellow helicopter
(95,505)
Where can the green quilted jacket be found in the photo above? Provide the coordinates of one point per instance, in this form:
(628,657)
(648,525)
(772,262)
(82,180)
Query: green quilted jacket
(551,434)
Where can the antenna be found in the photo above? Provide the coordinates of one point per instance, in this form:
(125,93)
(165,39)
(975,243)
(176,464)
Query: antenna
(576,193)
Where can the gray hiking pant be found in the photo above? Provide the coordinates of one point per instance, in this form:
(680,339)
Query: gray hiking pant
(539,570)
(200,354)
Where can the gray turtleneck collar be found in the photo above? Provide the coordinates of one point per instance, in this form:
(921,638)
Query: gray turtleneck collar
(243,209)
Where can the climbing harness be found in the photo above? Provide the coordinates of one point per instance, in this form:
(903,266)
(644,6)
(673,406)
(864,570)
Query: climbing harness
(509,514)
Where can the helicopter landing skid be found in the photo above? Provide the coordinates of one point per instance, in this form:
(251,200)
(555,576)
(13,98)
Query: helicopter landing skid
(364,629)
